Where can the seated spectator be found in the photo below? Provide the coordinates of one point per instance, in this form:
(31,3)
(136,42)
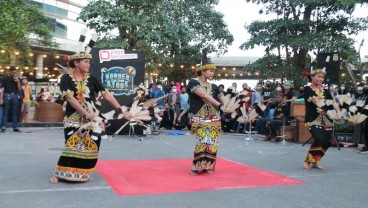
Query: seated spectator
(227,123)
(168,117)
(267,126)
(44,95)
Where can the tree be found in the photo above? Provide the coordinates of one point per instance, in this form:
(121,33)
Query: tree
(168,31)
(302,27)
(19,22)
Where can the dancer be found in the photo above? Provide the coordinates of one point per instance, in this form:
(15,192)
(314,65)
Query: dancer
(317,102)
(79,88)
(205,119)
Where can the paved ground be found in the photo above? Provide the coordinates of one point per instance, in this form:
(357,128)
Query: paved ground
(27,160)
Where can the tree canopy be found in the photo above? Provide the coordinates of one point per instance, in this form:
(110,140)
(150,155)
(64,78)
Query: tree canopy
(18,21)
(302,28)
(170,32)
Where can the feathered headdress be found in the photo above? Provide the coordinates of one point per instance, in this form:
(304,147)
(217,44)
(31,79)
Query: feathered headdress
(82,52)
(205,65)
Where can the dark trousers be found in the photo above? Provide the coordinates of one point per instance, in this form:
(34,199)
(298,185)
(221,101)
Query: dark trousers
(11,104)
(365,132)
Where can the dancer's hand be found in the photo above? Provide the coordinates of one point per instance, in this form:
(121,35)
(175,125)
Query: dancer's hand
(127,115)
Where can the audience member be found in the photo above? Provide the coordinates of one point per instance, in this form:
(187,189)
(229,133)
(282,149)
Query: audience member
(184,99)
(168,88)
(26,100)
(1,104)
(168,117)
(174,100)
(257,95)
(158,92)
(267,126)
(11,87)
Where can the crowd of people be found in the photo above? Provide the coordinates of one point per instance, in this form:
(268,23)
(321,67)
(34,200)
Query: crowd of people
(197,106)
(16,98)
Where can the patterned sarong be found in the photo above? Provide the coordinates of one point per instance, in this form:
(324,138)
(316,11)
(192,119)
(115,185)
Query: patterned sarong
(206,126)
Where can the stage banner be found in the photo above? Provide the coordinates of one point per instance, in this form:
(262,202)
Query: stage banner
(120,71)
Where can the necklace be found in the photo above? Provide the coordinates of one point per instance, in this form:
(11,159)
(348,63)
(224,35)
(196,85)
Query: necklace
(80,85)
(318,91)
(207,86)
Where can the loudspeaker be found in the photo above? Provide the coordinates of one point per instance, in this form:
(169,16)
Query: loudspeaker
(331,62)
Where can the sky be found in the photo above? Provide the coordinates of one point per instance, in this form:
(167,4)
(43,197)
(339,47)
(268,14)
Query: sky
(237,13)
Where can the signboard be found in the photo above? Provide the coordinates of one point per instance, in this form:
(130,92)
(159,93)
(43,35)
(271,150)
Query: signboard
(120,71)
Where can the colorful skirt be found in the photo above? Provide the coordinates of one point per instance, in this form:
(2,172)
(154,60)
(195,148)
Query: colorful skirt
(207,129)
(79,157)
(322,140)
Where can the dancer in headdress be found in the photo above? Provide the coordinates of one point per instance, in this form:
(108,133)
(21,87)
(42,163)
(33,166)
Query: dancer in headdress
(205,118)
(80,89)
(318,104)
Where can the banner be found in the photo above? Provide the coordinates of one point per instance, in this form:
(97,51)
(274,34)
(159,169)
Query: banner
(120,71)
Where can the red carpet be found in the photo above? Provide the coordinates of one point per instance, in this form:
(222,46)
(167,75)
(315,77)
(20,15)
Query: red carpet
(135,177)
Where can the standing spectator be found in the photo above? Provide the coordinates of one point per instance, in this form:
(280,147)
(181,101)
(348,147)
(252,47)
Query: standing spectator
(27,89)
(272,103)
(184,98)
(168,89)
(290,95)
(221,88)
(11,87)
(248,94)
(20,104)
(151,87)
(266,98)
(1,104)
(174,100)
(158,92)
(178,87)
(234,88)
(257,95)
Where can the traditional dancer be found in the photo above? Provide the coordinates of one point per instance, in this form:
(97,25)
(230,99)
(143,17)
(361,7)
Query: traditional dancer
(80,89)
(205,119)
(318,101)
